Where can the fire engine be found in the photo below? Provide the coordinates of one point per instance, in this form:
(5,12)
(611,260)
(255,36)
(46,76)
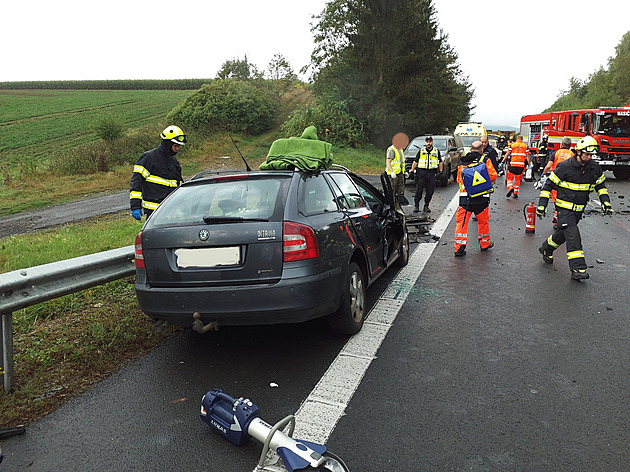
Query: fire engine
(610,126)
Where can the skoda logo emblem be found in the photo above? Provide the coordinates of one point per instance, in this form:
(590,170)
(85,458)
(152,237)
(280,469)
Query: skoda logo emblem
(204,234)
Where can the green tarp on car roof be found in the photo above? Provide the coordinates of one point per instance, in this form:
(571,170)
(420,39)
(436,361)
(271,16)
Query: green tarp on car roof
(306,153)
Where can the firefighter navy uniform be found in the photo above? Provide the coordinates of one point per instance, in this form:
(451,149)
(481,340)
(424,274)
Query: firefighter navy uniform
(156,174)
(573,183)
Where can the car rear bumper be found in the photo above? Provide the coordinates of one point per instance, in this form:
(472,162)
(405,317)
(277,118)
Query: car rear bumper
(292,300)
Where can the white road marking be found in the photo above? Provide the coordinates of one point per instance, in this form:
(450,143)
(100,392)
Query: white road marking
(319,413)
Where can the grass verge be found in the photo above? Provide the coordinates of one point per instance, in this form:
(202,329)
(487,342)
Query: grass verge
(63,346)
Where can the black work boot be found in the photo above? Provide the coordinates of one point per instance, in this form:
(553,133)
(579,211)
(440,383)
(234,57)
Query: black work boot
(426,209)
(579,274)
(416,208)
(547,256)
(461,251)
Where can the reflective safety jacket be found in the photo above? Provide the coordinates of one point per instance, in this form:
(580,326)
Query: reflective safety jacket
(156,174)
(428,159)
(561,155)
(398,159)
(464,197)
(518,154)
(574,182)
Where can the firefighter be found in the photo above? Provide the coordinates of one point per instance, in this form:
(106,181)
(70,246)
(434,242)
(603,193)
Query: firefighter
(156,173)
(573,179)
(426,164)
(560,155)
(477,205)
(541,156)
(517,157)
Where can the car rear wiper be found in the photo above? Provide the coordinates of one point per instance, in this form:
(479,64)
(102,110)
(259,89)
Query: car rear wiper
(230,219)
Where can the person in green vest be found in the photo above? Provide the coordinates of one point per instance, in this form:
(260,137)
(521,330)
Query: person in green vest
(395,162)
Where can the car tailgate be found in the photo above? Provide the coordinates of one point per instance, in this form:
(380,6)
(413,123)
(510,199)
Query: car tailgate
(213,254)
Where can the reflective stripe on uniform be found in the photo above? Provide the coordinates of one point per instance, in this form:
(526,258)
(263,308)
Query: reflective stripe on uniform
(552,243)
(150,205)
(154,178)
(141,170)
(545,194)
(569,205)
(137,195)
(569,185)
(575,254)
(602,191)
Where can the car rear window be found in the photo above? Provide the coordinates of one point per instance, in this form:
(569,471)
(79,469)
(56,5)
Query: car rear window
(246,198)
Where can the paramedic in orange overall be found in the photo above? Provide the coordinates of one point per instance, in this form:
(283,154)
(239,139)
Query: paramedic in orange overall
(560,155)
(518,158)
(469,205)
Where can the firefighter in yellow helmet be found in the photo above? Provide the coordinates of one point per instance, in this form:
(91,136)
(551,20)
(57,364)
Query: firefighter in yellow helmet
(156,173)
(573,179)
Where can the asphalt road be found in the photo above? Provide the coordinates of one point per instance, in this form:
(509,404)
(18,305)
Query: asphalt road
(491,362)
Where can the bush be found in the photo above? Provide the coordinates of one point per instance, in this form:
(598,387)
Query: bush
(333,122)
(227,105)
(100,157)
(109,128)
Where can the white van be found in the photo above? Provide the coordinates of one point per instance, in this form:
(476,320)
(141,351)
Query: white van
(470,132)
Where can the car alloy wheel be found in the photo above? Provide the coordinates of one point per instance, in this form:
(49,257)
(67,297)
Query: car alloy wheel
(348,319)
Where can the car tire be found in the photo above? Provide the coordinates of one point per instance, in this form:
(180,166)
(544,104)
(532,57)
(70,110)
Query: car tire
(621,173)
(403,250)
(348,319)
(444,177)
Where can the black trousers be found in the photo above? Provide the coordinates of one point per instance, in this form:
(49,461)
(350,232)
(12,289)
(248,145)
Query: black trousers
(425,182)
(568,232)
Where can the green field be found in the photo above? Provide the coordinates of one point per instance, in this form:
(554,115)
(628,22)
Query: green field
(35,123)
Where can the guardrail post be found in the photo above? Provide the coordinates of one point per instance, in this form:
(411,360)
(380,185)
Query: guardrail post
(6,346)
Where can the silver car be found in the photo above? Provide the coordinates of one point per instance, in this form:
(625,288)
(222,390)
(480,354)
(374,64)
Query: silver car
(451,150)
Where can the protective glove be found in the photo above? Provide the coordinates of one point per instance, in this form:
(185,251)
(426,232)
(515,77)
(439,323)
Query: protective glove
(406,175)
(607,208)
(393,174)
(541,211)
(137,214)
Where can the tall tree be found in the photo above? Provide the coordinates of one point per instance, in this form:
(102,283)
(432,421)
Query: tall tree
(391,64)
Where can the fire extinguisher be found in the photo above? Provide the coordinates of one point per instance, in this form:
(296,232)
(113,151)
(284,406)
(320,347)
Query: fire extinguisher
(529,212)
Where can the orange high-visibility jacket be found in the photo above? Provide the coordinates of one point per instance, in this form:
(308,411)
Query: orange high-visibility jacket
(518,156)
(561,154)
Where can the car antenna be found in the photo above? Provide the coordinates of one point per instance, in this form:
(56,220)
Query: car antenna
(239,152)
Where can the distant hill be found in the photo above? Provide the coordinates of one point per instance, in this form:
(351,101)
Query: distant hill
(500,127)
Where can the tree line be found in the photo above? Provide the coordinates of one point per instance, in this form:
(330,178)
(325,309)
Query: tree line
(607,86)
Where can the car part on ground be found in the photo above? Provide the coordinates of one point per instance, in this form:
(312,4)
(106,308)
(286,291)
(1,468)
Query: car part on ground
(238,420)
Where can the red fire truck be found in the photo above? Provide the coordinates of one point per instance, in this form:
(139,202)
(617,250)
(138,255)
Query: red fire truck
(610,126)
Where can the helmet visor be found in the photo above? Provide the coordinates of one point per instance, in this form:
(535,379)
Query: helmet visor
(181,139)
(591,149)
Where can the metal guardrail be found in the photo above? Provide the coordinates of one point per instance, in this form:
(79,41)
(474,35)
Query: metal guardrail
(26,287)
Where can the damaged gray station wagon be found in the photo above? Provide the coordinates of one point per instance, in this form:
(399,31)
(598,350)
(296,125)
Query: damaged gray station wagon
(268,247)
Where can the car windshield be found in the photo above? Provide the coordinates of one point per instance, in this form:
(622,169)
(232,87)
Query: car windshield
(223,199)
(438,143)
(468,140)
(612,124)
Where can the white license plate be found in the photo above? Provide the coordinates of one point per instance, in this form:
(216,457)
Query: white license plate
(208,257)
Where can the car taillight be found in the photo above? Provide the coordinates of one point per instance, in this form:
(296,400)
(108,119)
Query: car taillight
(139,257)
(298,242)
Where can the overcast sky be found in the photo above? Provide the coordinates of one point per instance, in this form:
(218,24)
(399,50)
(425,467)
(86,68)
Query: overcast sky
(518,55)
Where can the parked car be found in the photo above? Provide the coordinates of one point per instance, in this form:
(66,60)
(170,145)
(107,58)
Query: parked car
(269,247)
(451,149)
